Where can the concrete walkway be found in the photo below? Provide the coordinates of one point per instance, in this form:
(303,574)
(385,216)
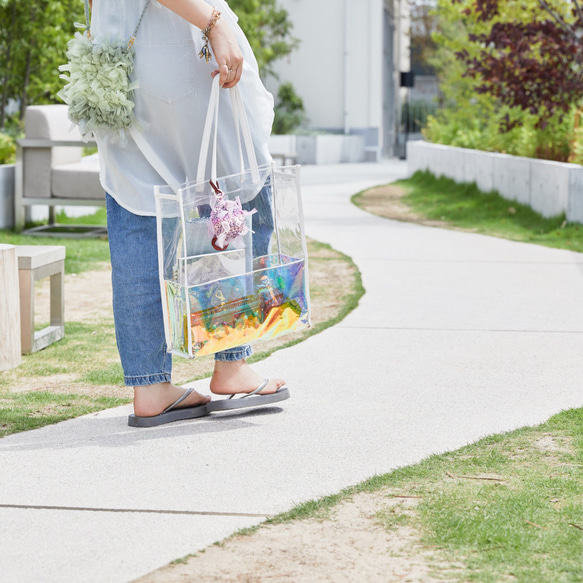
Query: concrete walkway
(458,336)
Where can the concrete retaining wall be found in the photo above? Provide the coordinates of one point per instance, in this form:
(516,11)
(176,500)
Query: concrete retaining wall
(549,188)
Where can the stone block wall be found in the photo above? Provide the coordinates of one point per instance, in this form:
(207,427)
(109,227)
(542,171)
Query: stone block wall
(549,188)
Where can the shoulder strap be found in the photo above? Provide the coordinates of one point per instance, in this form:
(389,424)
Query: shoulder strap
(132,38)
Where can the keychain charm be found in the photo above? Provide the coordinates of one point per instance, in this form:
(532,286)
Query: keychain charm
(227,221)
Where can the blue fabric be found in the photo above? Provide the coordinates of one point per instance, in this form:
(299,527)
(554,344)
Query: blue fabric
(137,304)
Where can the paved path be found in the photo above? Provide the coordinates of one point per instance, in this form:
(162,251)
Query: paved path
(458,336)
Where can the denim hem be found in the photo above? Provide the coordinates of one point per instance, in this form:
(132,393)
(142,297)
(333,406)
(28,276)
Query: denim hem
(142,381)
(234,354)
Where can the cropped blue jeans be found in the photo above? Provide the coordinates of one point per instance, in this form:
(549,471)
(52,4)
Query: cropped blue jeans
(137,303)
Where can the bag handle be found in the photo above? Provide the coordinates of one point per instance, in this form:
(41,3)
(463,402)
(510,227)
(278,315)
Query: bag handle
(212,123)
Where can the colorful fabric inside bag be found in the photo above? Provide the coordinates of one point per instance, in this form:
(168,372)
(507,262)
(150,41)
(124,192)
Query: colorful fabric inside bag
(99,91)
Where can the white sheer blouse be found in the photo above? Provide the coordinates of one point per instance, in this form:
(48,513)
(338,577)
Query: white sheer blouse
(171,102)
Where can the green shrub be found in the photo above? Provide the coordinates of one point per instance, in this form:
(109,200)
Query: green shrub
(7,149)
(289,110)
(485,130)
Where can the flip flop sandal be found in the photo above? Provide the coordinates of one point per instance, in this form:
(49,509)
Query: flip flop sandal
(170,413)
(243,400)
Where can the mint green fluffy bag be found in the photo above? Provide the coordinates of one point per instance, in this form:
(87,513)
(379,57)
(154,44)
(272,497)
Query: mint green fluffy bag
(99,92)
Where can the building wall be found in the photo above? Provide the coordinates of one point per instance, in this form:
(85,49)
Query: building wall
(343,84)
(316,67)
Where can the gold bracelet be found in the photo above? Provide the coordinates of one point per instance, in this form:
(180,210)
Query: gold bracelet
(206,51)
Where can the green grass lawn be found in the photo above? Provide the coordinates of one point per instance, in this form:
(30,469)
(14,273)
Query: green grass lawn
(525,524)
(465,206)
(24,411)
(507,508)
(82,254)
(99,217)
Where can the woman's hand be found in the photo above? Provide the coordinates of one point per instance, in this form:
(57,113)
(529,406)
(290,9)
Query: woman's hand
(227,54)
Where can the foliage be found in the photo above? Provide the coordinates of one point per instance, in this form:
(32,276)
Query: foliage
(33,39)
(530,55)
(7,149)
(289,110)
(479,128)
(268,29)
(481,120)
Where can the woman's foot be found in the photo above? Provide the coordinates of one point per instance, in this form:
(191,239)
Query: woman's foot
(153,399)
(230,377)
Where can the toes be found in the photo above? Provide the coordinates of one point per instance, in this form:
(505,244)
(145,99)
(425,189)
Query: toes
(274,384)
(198,398)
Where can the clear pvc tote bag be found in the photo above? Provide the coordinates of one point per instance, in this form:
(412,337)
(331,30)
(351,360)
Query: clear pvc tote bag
(232,249)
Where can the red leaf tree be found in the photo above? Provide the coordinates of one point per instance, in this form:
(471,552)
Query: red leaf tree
(536,66)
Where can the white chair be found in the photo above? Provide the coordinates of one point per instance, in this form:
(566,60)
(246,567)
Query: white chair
(50,170)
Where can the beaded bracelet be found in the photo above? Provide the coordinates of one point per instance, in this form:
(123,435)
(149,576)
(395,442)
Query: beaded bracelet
(205,51)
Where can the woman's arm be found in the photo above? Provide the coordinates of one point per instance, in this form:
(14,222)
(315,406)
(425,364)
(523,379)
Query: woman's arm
(223,42)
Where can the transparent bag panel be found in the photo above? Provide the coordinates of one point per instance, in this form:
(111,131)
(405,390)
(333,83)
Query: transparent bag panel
(288,217)
(176,308)
(211,267)
(169,234)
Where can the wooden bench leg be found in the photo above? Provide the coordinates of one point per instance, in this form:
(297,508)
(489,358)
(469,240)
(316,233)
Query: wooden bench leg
(26,310)
(34,341)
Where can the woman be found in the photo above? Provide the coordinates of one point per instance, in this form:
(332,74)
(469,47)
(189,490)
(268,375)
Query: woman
(171,101)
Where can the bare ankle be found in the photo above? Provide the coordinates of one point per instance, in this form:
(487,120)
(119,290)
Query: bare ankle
(149,398)
(229,365)
(237,376)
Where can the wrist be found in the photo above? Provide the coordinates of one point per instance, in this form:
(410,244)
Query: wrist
(217,29)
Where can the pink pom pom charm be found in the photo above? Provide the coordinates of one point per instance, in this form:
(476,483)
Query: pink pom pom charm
(227,221)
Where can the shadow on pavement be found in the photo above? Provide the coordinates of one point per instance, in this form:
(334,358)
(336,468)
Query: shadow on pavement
(114,431)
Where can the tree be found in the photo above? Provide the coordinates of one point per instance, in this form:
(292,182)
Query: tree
(268,29)
(530,56)
(470,119)
(289,110)
(33,39)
